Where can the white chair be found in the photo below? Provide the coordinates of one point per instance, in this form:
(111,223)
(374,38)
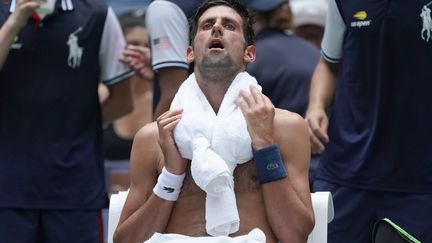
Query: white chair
(321,201)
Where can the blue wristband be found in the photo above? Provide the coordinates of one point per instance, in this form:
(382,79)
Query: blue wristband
(269,164)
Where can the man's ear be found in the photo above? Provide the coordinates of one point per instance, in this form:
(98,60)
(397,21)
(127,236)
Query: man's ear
(250,54)
(190,55)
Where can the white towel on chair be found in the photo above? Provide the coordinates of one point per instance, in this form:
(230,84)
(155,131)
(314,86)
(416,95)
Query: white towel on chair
(215,143)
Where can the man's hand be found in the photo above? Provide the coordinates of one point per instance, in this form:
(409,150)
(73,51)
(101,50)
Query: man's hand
(166,122)
(318,123)
(22,12)
(259,113)
(138,58)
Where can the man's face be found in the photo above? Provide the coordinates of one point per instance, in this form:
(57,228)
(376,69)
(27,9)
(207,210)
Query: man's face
(219,40)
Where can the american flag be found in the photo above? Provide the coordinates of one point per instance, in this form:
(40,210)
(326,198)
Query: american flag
(162,43)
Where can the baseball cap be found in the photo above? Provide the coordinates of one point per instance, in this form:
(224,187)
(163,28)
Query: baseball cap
(309,12)
(263,5)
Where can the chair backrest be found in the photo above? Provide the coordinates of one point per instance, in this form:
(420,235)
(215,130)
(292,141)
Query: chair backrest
(115,207)
(321,201)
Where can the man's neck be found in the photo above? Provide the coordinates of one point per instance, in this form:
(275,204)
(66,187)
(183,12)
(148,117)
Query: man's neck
(214,90)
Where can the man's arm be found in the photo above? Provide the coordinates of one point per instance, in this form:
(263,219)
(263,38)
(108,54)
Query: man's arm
(321,95)
(13,25)
(287,198)
(323,83)
(287,201)
(145,213)
(119,101)
(170,79)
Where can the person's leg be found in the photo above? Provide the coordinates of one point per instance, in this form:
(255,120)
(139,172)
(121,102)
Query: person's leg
(410,211)
(354,213)
(72,226)
(19,225)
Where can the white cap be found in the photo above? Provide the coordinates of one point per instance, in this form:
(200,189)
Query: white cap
(309,12)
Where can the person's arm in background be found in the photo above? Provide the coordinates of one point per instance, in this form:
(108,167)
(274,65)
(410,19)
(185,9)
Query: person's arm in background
(170,79)
(115,75)
(323,86)
(324,78)
(169,34)
(13,25)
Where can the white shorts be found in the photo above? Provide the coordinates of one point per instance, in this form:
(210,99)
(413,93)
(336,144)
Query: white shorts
(168,28)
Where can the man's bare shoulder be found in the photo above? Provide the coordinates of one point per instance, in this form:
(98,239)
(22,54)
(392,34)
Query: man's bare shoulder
(146,150)
(287,119)
(148,131)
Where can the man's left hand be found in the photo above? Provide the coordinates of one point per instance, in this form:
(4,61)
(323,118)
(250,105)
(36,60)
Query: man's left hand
(259,113)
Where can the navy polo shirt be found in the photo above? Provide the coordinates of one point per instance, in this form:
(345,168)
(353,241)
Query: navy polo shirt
(283,67)
(382,118)
(50,117)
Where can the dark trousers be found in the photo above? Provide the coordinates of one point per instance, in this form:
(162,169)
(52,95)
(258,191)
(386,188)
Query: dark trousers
(50,226)
(356,211)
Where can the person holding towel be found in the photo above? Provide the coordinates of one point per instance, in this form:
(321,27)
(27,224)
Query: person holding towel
(223,164)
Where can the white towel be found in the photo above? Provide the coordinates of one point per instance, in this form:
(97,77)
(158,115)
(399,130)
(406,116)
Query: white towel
(254,236)
(215,143)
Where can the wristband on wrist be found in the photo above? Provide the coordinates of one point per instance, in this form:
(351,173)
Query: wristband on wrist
(269,164)
(169,185)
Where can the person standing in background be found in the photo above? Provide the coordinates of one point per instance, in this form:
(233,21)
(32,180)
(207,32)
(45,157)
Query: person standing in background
(119,134)
(309,19)
(375,146)
(51,160)
(284,63)
(167,23)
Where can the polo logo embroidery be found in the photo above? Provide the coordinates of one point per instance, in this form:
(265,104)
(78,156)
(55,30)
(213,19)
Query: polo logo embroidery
(168,189)
(427,22)
(272,166)
(75,51)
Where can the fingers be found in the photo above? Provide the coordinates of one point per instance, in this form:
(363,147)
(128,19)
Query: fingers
(27,5)
(259,113)
(317,147)
(166,123)
(137,58)
(318,133)
(254,99)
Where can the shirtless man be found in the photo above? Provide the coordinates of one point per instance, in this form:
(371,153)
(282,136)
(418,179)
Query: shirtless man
(282,208)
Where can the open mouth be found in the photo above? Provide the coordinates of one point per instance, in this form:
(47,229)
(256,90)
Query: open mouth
(216,44)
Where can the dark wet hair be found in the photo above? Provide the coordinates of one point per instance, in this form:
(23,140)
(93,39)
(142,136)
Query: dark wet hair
(234,4)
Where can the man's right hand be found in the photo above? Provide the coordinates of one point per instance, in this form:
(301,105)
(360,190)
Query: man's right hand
(23,10)
(317,120)
(166,122)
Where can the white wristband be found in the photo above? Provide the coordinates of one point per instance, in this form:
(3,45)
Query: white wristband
(168,185)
